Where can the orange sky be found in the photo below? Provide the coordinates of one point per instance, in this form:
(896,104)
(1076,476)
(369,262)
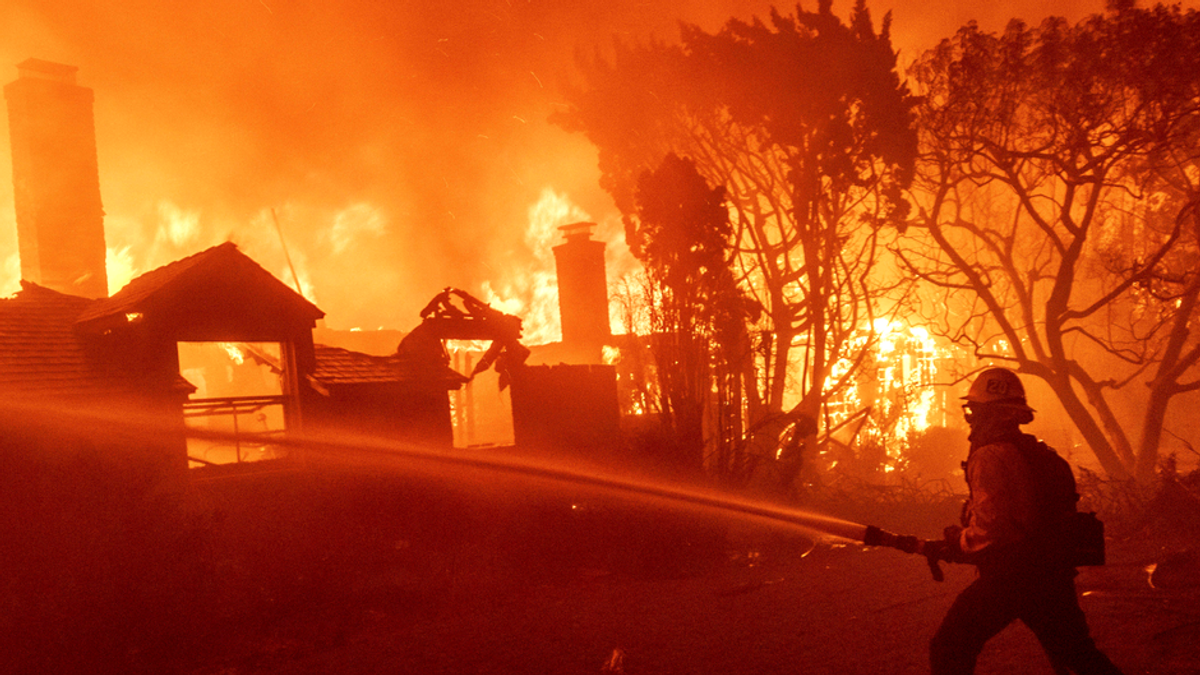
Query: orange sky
(401,144)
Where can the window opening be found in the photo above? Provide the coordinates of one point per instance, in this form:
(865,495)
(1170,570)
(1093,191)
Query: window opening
(238,408)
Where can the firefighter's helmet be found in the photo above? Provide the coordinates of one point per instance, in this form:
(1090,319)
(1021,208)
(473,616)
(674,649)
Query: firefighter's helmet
(998,386)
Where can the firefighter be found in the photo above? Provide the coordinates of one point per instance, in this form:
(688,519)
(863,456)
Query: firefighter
(1017,577)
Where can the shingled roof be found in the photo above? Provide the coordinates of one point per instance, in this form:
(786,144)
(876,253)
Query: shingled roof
(337,366)
(46,346)
(40,352)
(166,285)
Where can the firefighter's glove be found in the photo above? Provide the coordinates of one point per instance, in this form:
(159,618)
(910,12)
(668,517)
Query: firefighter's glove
(940,550)
(952,538)
(947,548)
(933,552)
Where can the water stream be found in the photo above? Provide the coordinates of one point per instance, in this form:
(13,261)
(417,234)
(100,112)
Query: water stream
(346,450)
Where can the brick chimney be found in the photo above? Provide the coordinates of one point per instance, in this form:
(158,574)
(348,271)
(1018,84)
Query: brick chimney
(56,182)
(582,294)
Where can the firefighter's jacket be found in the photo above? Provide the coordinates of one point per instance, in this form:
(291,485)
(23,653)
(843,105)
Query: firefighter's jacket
(1001,511)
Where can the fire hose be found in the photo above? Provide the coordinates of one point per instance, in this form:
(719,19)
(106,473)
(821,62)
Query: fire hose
(907,543)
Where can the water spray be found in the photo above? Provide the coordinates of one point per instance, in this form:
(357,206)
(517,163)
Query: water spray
(718,501)
(808,521)
(350,448)
(715,500)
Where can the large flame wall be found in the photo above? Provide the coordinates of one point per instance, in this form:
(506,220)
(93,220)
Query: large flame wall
(396,147)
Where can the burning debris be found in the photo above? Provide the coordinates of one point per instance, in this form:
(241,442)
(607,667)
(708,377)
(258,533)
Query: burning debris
(457,315)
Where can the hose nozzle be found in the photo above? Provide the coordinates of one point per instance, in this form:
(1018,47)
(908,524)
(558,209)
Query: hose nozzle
(907,543)
(877,537)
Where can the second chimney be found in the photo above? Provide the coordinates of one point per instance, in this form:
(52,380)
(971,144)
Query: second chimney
(582,294)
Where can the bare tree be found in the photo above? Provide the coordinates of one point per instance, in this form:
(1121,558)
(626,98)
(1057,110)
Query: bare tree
(1057,222)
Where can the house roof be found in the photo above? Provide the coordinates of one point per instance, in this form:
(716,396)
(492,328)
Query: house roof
(190,280)
(50,342)
(337,366)
(46,343)
(40,352)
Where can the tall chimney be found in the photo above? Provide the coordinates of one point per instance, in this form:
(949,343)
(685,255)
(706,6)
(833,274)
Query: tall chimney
(56,182)
(582,294)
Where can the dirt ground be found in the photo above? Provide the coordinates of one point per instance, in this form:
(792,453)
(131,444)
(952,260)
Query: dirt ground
(793,606)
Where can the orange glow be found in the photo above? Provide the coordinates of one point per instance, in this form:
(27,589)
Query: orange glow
(532,293)
(417,130)
(899,388)
(475,346)
(119,264)
(356,222)
(10,274)
(177,226)
(234,352)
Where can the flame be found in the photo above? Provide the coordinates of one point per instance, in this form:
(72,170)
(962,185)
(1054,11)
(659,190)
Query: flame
(177,231)
(356,222)
(629,302)
(553,210)
(300,277)
(475,346)
(536,302)
(118,264)
(234,352)
(10,275)
(532,293)
(179,227)
(899,389)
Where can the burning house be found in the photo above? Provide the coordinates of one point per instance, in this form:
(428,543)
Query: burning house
(212,343)
(220,353)
(217,344)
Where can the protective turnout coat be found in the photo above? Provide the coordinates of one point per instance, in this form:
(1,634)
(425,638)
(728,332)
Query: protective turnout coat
(1000,514)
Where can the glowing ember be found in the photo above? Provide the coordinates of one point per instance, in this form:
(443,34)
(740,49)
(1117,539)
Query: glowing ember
(611,354)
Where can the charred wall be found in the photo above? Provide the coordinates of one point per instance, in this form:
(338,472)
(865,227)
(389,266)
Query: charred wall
(398,411)
(566,410)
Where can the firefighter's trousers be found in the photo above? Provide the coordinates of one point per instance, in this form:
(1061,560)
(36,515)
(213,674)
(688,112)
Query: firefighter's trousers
(1045,600)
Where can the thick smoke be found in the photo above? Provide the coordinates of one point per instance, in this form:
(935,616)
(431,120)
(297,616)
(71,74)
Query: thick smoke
(397,146)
